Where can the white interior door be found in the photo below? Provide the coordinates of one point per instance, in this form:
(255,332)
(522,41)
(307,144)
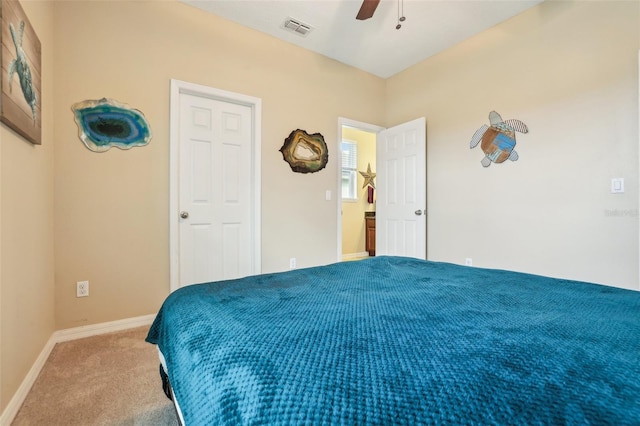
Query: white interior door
(216,208)
(401,182)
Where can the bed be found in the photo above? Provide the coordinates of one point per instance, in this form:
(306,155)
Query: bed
(392,340)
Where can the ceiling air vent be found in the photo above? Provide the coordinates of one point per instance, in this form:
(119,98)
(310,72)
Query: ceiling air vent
(297,27)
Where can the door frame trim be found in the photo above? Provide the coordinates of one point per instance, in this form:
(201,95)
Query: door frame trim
(360,126)
(179,87)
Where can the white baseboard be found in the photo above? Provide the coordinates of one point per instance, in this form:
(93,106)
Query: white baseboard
(14,405)
(102,328)
(348,256)
(59,336)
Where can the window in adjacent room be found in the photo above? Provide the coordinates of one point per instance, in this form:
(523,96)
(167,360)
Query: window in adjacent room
(349,173)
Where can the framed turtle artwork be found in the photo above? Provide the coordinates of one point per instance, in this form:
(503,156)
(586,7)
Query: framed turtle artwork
(20,97)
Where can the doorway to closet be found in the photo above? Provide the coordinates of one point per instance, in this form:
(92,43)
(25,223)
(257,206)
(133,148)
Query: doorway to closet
(214,192)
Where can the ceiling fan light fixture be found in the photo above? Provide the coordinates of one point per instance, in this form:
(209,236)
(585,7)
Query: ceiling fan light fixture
(401,17)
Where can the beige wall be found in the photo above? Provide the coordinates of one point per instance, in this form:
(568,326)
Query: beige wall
(26,229)
(353,229)
(569,70)
(111,209)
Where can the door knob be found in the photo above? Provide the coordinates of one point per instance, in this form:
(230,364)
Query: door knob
(184,215)
(418,212)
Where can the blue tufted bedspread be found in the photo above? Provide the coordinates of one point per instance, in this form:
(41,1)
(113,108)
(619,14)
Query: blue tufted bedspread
(393,340)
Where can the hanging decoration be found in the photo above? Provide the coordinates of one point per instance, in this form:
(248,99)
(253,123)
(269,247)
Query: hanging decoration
(498,139)
(369,177)
(305,153)
(106,122)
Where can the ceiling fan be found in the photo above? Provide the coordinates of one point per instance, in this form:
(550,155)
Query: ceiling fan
(367,9)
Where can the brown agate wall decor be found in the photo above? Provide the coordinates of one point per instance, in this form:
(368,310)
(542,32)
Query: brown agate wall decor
(305,153)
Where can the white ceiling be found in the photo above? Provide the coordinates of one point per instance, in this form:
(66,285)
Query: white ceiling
(373,45)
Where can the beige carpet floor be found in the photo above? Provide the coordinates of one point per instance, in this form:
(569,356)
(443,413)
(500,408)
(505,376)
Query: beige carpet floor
(110,379)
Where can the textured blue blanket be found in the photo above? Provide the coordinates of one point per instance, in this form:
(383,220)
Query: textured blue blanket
(402,341)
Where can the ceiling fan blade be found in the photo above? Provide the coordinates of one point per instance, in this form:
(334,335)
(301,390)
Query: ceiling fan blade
(367,9)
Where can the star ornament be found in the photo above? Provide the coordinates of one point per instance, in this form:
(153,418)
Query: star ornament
(368,177)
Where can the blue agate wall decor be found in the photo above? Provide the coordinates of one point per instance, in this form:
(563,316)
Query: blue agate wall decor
(104,123)
(498,139)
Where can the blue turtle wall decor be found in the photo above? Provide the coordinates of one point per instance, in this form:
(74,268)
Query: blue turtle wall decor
(20,66)
(498,139)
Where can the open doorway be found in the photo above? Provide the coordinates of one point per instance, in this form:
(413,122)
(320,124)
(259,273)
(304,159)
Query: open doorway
(400,197)
(358,193)
(356,203)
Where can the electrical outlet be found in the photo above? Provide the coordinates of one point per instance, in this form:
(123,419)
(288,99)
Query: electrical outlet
(468,261)
(82,289)
(292,263)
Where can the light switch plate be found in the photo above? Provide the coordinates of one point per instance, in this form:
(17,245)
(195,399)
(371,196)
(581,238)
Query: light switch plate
(617,185)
